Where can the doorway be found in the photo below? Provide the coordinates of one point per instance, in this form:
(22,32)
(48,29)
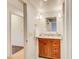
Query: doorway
(17,36)
(16,29)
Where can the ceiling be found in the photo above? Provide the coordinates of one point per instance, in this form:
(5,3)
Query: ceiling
(41,5)
(49,5)
(15,4)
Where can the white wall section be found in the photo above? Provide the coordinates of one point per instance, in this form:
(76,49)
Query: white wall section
(17,30)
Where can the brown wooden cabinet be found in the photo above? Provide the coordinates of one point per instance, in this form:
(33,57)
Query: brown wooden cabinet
(49,48)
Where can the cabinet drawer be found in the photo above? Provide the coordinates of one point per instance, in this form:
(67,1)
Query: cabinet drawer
(55,55)
(55,50)
(55,43)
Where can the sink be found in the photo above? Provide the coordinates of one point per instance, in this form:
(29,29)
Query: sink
(50,35)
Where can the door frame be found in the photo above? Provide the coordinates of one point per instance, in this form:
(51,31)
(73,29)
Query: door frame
(67,37)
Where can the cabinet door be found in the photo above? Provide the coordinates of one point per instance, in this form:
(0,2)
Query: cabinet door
(44,46)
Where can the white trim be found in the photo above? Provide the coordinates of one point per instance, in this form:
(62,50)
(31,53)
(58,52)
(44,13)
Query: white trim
(67,41)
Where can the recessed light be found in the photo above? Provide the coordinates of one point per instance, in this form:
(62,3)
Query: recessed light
(45,0)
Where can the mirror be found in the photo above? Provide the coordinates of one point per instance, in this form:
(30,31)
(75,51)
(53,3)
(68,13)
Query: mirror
(17,36)
(51,24)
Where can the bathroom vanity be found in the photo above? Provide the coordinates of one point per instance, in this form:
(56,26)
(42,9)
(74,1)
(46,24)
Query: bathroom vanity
(49,47)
